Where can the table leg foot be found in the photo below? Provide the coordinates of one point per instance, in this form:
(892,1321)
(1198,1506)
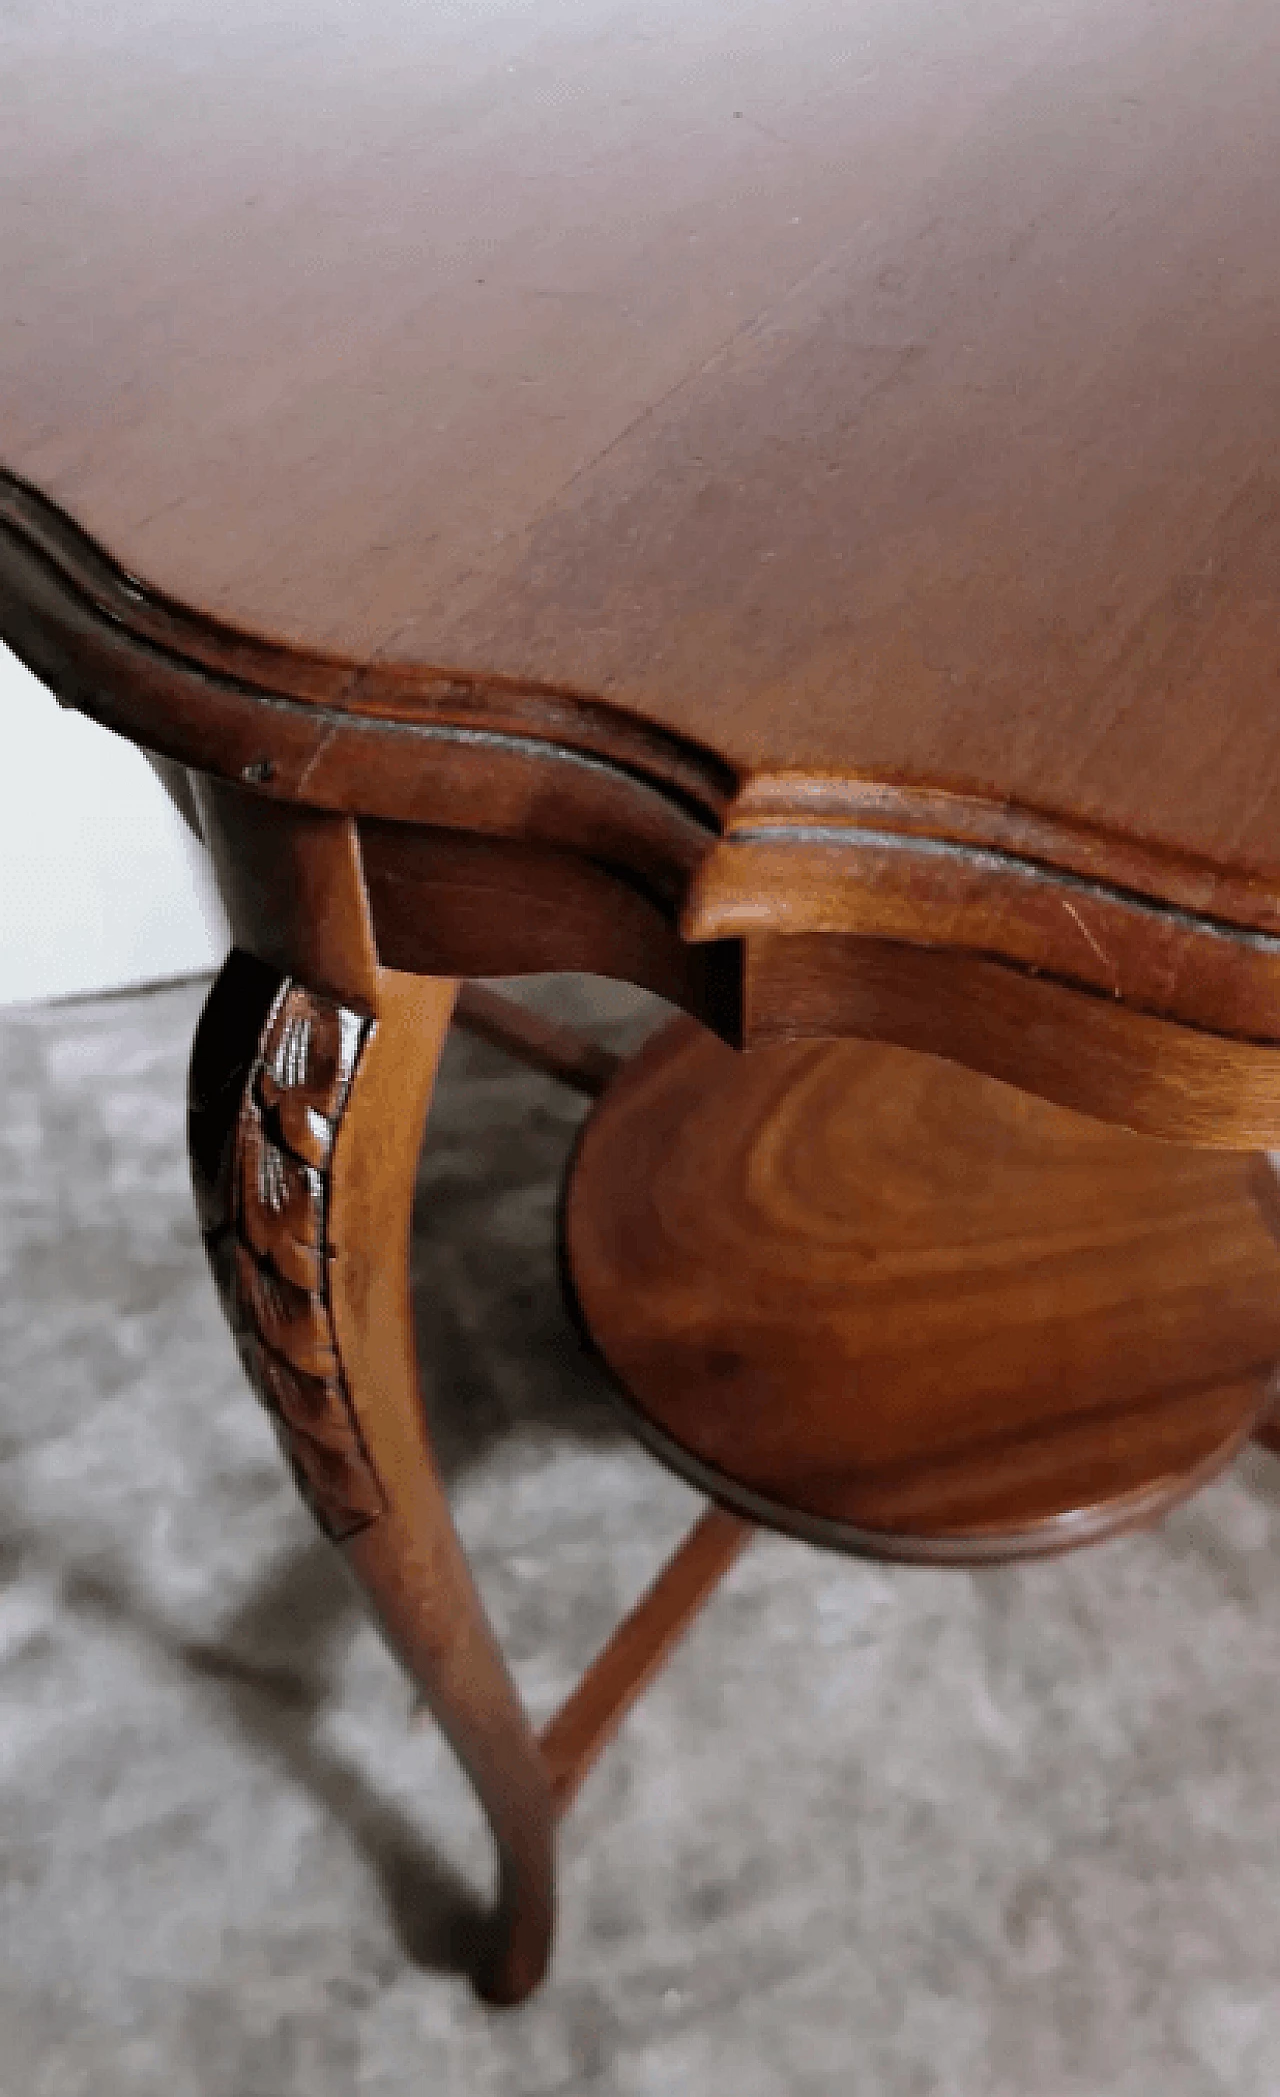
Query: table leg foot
(305,1125)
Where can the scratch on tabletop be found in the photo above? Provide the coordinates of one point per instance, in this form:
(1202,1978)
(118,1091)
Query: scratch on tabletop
(1098,949)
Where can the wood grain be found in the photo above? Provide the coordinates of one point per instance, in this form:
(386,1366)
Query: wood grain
(702,497)
(449,903)
(897,1308)
(305,1127)
(1083,1051)
(918,396)
(875,534)
(293,888)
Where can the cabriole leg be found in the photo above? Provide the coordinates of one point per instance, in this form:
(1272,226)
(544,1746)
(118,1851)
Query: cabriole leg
(305,1122)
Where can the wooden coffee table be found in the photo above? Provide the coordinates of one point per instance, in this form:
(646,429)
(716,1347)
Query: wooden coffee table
(778,505)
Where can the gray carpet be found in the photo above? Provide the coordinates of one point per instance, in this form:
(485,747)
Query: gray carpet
(881,1832)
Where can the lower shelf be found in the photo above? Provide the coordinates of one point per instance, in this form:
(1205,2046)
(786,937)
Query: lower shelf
(872,1299)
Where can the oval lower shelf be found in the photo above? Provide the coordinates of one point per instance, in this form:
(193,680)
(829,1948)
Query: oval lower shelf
(872,1299)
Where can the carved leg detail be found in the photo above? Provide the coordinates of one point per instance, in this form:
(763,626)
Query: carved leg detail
(305,1124)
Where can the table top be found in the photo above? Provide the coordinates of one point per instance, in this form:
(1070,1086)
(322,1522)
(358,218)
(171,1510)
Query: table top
(866,417)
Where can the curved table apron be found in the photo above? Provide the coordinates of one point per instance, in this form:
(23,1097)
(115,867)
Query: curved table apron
(797,531)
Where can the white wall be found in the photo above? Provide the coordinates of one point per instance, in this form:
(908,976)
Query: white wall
(101,884)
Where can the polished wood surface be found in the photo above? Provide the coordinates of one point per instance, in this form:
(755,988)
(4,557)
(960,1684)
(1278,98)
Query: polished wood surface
(271,1080)
(831,488)
(898,1308)
(777,504)
(819,399)
(1095,1054)
(305,1120)
(303,1115)
(306,1111)
(488,853)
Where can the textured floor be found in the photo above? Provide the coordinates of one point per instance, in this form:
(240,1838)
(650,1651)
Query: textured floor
(877,1832)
